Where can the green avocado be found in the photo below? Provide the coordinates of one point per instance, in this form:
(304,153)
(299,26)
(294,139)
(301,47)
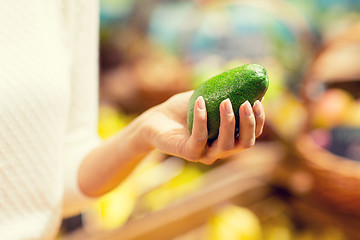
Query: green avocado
(247,82)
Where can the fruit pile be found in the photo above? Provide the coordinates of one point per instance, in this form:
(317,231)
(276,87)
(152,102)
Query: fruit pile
(233,222)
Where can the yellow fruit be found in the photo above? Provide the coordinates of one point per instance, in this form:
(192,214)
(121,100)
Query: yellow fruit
(113,209)
(110,121)
(234,223)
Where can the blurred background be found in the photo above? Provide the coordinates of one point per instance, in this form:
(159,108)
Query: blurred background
(302,178)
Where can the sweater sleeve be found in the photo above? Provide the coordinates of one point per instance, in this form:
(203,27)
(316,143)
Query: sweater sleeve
(81,130)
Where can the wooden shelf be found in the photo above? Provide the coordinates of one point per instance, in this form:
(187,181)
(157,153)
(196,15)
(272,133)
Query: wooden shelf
(243,179)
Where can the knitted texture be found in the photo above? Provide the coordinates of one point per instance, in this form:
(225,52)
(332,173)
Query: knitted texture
(48,111)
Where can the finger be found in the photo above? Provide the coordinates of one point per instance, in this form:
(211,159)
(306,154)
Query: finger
(226,139)
(208,161)
(259,117)
(199,134)
(211,156)
(247,126)
(210,153)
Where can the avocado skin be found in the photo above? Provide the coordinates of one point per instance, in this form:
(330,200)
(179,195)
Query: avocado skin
(247,82)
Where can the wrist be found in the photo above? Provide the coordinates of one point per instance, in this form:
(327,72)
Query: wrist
(140,131)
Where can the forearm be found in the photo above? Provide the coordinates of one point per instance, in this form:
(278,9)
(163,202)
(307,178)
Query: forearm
(165,127)
(109,164)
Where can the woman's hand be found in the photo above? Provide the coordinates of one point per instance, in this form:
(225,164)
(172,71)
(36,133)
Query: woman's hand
(167,129)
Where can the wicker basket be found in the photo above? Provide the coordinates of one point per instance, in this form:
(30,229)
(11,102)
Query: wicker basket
(336,179)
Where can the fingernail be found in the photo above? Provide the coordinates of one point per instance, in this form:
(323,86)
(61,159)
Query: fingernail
(257,108)
(201,103)
(228,107)
(247,109)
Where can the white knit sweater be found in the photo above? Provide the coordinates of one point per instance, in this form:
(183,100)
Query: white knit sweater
(48,111)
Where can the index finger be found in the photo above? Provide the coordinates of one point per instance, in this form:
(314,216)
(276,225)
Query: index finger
(199,135)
